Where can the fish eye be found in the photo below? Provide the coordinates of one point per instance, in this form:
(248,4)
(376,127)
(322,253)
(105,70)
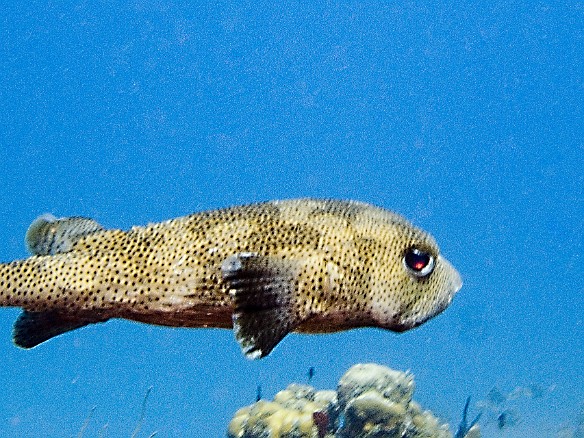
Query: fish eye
(419,263)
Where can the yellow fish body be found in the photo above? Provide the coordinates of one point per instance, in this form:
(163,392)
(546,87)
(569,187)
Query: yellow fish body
(265,269)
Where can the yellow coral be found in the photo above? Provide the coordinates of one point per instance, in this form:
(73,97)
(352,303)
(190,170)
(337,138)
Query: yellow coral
(371,401)
(282,397)
(306,424)
(236,426)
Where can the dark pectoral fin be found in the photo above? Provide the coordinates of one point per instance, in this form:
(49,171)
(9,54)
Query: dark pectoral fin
(264,290)
(34,328)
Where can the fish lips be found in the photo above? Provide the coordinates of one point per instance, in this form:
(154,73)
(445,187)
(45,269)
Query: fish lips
(450,288)
(455,283)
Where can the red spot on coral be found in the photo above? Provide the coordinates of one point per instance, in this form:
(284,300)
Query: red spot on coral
(321,420)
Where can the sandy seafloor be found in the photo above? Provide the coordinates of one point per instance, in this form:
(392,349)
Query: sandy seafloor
(465,118)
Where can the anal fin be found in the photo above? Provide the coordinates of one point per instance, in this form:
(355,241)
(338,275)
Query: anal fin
(264,292)
(34,328)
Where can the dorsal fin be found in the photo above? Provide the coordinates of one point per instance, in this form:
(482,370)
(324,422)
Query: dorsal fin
(48,235)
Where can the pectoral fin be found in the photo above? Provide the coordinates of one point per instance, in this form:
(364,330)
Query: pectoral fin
(34,328)
(264,292)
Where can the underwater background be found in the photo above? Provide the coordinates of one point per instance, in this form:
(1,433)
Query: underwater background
(466,118)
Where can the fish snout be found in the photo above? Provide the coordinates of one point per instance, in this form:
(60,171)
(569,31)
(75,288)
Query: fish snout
(452,283)
(455,280)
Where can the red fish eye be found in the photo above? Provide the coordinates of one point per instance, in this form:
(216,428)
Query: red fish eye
(420,263)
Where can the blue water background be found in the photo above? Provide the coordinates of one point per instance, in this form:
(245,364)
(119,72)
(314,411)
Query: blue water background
(466,118)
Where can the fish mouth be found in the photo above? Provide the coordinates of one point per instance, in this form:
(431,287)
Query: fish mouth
(455,283)
(451,288)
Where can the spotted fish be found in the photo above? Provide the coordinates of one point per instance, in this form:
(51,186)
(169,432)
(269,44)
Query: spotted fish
(265,270)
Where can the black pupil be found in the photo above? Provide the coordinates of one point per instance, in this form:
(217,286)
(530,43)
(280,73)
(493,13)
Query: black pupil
(417,260)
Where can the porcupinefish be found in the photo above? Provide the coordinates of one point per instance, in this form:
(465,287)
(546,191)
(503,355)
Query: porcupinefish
(265,270)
